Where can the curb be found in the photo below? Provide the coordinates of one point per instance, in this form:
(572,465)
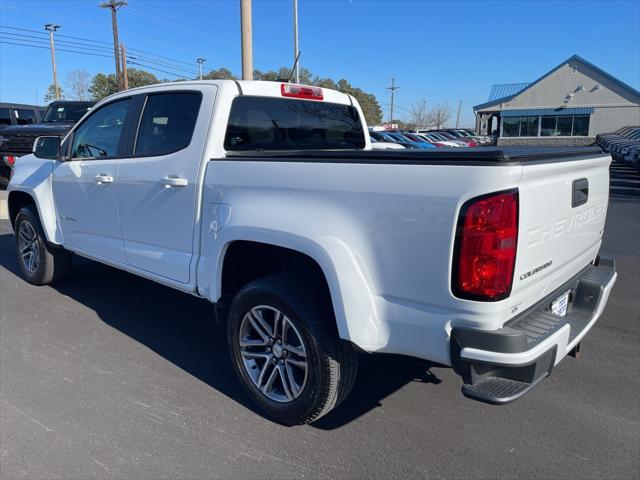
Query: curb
(4,209)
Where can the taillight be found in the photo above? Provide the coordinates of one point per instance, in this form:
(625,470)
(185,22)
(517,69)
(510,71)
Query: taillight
(301,91)
(485,249)
(11,160)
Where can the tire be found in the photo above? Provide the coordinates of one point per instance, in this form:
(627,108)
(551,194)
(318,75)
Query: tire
(40,264)
(306,324)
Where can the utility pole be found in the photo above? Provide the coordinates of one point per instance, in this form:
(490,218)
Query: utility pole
(114,5)
(50,27)
(125,74)
(200,61)
(393,90)
(295,40)
(247,44)
(458,117)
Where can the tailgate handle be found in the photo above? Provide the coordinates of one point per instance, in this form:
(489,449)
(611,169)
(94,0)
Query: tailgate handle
(580,193)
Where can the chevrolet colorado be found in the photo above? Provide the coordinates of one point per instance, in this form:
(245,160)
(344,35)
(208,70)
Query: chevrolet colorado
(266,199)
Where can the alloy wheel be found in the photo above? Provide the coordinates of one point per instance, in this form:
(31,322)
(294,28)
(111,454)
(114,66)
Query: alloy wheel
(28,247)
(273,353)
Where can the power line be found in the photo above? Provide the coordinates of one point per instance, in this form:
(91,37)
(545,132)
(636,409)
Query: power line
(57,49)
(96,47)
(162,64)
(159,70)
(24,37)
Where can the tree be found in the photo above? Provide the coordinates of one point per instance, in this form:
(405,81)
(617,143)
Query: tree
(78,83)
(439,114)
(419,114)
(220,74)
(104,85)
(368,102)
(50,96)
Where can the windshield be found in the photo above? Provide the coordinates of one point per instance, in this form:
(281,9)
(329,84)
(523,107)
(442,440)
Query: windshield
(65,113)
(266,123)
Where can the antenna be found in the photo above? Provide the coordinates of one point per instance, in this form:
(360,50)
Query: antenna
(293,70)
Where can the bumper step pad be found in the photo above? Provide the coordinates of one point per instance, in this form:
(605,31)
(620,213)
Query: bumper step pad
(497,390)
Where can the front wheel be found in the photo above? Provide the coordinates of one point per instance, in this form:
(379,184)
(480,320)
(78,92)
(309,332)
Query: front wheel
(286,352)
(40,264)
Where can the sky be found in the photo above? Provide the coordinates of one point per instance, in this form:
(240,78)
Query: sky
(440,51)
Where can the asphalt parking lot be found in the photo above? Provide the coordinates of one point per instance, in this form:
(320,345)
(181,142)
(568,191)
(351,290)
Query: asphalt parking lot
(112,376)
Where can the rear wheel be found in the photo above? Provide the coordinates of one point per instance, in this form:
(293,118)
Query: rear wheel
(40,264)
(286,352)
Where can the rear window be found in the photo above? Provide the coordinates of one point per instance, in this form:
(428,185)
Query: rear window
(263,123)
(167,123)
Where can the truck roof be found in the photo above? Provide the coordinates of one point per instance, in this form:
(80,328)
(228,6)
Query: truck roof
(242,87)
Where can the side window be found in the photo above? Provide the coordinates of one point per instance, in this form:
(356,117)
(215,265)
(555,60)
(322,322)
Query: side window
(167,123)
(5,116)
(25,117)
(99,134)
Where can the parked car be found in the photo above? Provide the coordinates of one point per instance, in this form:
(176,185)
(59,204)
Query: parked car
(401,137)
(377,145)
(623,145)
(451,138)
(19,114)
(385,137)
(313,247)
(423,142)
(434,137)
(17,140)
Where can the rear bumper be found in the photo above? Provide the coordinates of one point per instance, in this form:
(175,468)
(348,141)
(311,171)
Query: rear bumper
(499,366)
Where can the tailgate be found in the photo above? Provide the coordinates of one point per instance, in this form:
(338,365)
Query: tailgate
(563,206)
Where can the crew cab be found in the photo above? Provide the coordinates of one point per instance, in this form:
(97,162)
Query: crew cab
(267,200)
(17,140)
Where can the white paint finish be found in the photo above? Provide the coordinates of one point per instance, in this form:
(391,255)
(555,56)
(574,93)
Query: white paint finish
(158,220)
(33,177)
(382,234)
(87,207)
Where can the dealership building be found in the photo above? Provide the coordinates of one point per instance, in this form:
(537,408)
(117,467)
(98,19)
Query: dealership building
(569,105)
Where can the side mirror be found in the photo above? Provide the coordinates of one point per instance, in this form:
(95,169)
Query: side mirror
(47,147)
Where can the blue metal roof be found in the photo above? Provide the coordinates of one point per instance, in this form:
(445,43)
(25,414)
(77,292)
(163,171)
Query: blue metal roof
(574,58)
(505,90)
(534,112)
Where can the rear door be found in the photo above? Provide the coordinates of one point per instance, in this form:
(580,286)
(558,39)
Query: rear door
(563,206)
(158,185)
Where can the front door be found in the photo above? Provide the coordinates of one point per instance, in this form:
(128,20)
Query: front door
(84,185)
(157,186)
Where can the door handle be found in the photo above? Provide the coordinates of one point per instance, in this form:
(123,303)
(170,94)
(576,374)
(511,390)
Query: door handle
(103,179)
(170,182)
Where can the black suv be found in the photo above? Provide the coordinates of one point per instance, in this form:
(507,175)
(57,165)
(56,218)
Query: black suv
(17,140)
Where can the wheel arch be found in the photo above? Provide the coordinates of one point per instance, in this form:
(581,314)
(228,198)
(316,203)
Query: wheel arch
(46,213)
(283,254)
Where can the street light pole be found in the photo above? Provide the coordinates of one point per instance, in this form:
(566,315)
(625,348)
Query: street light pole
(247,44)
(295,41)
(50,27)
(200,61)
(393,90)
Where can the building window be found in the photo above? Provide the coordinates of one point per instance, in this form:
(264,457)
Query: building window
(565,126)
(520,126)
(581,126)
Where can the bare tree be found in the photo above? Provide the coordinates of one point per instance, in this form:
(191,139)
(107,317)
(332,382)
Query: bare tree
(439,114)
(419,114)
(78,82)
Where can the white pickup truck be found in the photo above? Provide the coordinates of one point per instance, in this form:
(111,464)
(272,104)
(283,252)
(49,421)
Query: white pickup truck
(266,199)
